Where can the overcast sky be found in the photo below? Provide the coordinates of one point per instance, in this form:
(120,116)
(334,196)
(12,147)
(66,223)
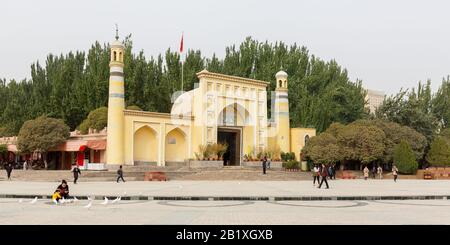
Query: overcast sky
(388,44)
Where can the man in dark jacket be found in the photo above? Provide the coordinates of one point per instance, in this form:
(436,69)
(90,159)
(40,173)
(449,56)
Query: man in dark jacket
(324,174)
(264,164)
(9,167)
(120,174)
(76,171)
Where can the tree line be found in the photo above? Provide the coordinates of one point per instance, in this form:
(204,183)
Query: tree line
(412,125)
(69,86)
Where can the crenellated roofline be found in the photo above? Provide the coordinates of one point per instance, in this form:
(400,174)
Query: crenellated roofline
(207,74)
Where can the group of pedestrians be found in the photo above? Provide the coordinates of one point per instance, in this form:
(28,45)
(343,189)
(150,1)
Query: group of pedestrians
(321,172)
(376,171)
(10,166)
(379,172)
(75,170)
(76,173)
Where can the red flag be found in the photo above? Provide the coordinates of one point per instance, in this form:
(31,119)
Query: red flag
(181,44)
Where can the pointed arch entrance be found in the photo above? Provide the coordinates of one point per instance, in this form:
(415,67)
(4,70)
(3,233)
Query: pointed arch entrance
(145,145)
(233,121)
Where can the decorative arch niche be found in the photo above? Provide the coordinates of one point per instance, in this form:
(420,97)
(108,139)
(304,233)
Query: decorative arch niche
(176,146)
(145,145)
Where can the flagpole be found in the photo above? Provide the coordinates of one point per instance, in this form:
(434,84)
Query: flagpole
(182,61)
(182,73)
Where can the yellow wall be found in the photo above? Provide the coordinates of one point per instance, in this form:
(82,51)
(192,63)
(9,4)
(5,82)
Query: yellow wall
(160,124)
(145,145)
(176,146)
(298,139)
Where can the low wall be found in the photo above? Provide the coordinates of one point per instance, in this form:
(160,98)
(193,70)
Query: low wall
(258,164)
(205,164)
(96,166)
(177,164)
(93,166)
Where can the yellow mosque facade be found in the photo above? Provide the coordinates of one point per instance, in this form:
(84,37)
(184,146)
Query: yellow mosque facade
(221,108)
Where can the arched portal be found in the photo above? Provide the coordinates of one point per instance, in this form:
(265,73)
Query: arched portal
(176,146)
(145,145)
(235,126)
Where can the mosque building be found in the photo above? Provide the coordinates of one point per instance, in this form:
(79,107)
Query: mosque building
(221,109)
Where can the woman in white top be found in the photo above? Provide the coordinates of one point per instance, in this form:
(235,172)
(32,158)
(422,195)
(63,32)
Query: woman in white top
(315,174)
(366,173)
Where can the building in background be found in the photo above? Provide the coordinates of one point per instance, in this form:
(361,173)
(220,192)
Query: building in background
(374,99)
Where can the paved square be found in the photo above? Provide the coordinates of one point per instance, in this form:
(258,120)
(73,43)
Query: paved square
(23,211)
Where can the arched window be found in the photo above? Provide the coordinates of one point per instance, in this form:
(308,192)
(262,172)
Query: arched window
(306,139)
(281,84)
(115,56)
(120,56)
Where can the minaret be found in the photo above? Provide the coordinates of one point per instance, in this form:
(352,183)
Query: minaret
(116,105)
(282,111)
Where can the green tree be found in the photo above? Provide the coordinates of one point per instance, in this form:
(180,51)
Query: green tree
(439,153)
(441,103)
(404,158)
(322,149)
(394,133)
(361,143)
(412,109)
(97,119)
(42,134)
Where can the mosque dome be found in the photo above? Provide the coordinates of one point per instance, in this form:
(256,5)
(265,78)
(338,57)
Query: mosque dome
(183,104)
(116,43)
(281,74)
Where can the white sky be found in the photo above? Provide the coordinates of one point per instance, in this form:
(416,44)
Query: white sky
(388,44)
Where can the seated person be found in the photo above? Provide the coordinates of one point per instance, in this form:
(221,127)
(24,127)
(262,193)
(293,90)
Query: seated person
(56,196)
(63,189)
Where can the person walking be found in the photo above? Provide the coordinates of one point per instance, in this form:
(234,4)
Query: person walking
(374,171)
(25,165)
(380,172)
(268,163)
(333,167)
(120,174)
(226,157)
(395,172)
(9,168)
(324,174)
(330,171)
(316,175)
(264,164)
(76,171)
(366,172)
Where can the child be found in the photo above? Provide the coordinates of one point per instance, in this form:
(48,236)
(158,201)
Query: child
(56,196)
